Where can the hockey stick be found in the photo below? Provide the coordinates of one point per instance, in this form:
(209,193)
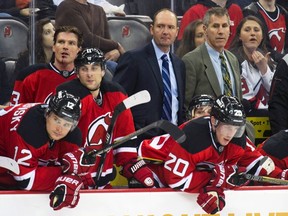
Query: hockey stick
(266,179)
(177,134)
(134,100)
(208,167)
(9,164)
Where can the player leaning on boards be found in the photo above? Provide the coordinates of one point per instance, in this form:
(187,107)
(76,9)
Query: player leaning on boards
(99,99)
(38,136)
(218,139)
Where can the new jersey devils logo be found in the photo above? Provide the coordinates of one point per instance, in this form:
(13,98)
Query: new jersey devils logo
(98,129)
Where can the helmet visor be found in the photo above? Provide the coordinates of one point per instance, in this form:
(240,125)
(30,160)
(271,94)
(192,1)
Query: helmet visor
(233,130)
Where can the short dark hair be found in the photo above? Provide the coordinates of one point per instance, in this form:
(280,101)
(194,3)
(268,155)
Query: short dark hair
(217,11)
(69,29)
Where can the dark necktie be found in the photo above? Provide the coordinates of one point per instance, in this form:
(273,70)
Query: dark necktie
(226,76)
(166,114)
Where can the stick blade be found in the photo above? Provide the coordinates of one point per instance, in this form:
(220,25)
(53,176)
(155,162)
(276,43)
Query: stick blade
(138,98)
(9,164)
(177,134)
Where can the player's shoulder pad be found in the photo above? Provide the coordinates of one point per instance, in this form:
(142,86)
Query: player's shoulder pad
(74,87)
(110,86)
(277,145)
(198,136)
(32,127)
(30,69)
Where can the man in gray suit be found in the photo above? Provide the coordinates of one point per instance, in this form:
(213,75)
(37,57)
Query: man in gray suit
(203,65)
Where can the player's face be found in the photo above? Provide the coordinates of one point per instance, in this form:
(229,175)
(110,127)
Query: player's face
(47,35)
(199,35)
(251,35)
(217,32)
(224,132)
(66,48)
(57,128)
(90,75)
(164,30)
(202,111)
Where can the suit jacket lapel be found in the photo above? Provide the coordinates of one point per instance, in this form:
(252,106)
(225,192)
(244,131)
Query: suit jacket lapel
(210,71)
(153,64)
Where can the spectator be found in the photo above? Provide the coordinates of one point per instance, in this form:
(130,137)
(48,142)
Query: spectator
(108,7)
(92,22)
(41,135)
(44,33)
(278,101)
(5,89)
(275,21)
(198,11)
(203,66)
(21,9)
(217,140)
(37,82)
(256,76)
(193,37)
(283,3)
(141,69)
(243,3)
(16,10)
(99,99)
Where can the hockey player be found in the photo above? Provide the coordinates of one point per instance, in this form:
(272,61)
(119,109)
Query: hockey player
(216,139)
(276,148)
(36,83)
(37,136)
(199,106)
(99,99)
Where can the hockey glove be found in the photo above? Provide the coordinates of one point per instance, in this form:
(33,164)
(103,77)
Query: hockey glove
(211,199)
(139,171)
(66,192)
(79,161)
(284,175)
(227,176)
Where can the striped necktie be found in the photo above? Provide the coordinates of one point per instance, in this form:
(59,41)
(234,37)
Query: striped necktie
(167,101)
(226,76)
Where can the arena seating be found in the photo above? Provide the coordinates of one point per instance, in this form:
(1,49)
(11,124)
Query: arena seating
(130,32)
(13,37)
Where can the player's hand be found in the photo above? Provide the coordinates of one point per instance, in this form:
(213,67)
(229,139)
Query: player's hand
(284,174)
(66,192)
(112,55)
(138,170)
(211,199)
(79,162)
(227,176)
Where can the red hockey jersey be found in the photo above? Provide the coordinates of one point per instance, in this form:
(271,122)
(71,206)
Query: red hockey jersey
(37,83)
(23,137)
(96,114)
(180,160)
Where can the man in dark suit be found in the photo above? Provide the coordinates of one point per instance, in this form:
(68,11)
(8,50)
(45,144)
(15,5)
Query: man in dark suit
(142,69)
